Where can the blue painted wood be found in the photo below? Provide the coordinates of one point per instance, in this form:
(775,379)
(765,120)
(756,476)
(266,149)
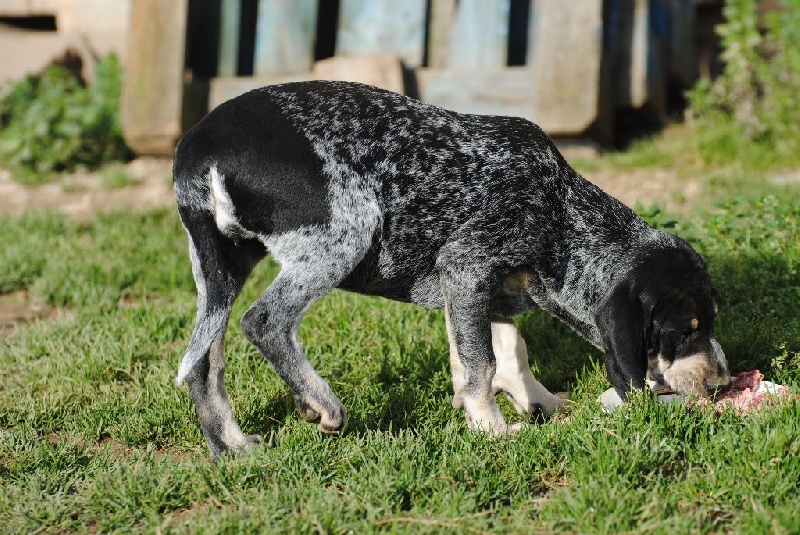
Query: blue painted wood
(229,37)
(375,26)
(285,34)
(479,40)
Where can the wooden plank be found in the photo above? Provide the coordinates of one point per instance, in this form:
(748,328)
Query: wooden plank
(229,37)
(380,26)
(285,34)
(153,86)
(440,30)
(641,58)
(223,88)
(501,92)
(379,70)
(567,65)
(637,90)
(479,38)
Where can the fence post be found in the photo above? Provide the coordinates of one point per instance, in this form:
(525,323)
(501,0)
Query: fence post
(153,89)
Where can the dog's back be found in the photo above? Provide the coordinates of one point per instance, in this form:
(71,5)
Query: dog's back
(284,157)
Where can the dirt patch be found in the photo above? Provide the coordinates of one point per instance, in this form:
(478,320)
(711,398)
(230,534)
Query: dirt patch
(647,187)
(786,178)
(141,185)
(16,308)
(147,184)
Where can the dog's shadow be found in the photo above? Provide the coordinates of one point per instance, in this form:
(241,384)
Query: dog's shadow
(413,389)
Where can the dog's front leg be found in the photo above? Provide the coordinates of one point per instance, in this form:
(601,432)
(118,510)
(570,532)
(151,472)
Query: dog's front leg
(513,376)
(472,359)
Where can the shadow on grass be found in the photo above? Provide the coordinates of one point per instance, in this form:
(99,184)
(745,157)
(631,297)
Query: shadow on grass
(761,315)
(760,323)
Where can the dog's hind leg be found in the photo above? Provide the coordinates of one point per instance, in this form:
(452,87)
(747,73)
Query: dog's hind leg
(314,260)
(220,268)
(513,376)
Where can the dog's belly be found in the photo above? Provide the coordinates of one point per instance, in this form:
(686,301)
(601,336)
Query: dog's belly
(398,275)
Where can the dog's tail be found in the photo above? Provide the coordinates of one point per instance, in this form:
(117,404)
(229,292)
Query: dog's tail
(222,257)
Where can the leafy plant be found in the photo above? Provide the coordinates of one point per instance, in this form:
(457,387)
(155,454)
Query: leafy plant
(50,122)
(755,104)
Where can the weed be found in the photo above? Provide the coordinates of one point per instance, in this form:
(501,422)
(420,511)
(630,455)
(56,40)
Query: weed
(49,122)
(751,112)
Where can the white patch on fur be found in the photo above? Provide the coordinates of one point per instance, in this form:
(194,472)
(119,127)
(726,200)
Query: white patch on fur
(458,371)
(197,272)
(224,211)
(190,358)
(690,375)
(355,216)
(513,375)
(206,329)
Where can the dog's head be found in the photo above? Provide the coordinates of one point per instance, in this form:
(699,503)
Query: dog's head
(660,320)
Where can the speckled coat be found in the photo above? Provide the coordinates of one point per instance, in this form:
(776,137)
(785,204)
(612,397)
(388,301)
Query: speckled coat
(350,186)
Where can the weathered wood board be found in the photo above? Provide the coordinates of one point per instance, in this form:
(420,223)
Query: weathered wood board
(507,91)
(567,65)
(285,36)
(381,26)
(152,102)
(225,88)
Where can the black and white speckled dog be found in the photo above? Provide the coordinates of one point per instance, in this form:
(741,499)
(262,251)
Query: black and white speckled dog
(354,187)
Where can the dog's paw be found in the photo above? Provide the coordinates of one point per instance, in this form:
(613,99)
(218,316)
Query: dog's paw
(497,431)
(513,429)
(242,444)
(248,443)
(329,415)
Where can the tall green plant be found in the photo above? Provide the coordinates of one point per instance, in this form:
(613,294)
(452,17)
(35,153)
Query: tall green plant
(757,98)
(50,122)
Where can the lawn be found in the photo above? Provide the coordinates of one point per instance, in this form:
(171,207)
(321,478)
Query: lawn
(95,436)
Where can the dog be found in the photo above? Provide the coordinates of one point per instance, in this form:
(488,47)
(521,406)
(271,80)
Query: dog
(353,187)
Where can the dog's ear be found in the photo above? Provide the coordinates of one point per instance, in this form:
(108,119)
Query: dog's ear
(622,329)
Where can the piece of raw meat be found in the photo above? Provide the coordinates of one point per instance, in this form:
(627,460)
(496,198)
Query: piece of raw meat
(746,393)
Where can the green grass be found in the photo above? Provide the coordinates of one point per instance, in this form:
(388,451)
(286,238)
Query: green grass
(94,435)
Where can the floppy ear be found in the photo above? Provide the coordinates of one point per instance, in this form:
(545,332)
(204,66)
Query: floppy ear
(621,323)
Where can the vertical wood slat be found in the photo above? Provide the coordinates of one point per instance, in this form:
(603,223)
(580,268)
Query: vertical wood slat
(567,65)
(153,90)
(642,55)
(479,38)
(285,36)
(640,38)
(440,31)
(229,37)
(381,26)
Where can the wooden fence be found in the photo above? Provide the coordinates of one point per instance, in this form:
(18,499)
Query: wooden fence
(566,65)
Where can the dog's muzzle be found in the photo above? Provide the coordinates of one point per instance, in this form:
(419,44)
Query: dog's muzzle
(701,374)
